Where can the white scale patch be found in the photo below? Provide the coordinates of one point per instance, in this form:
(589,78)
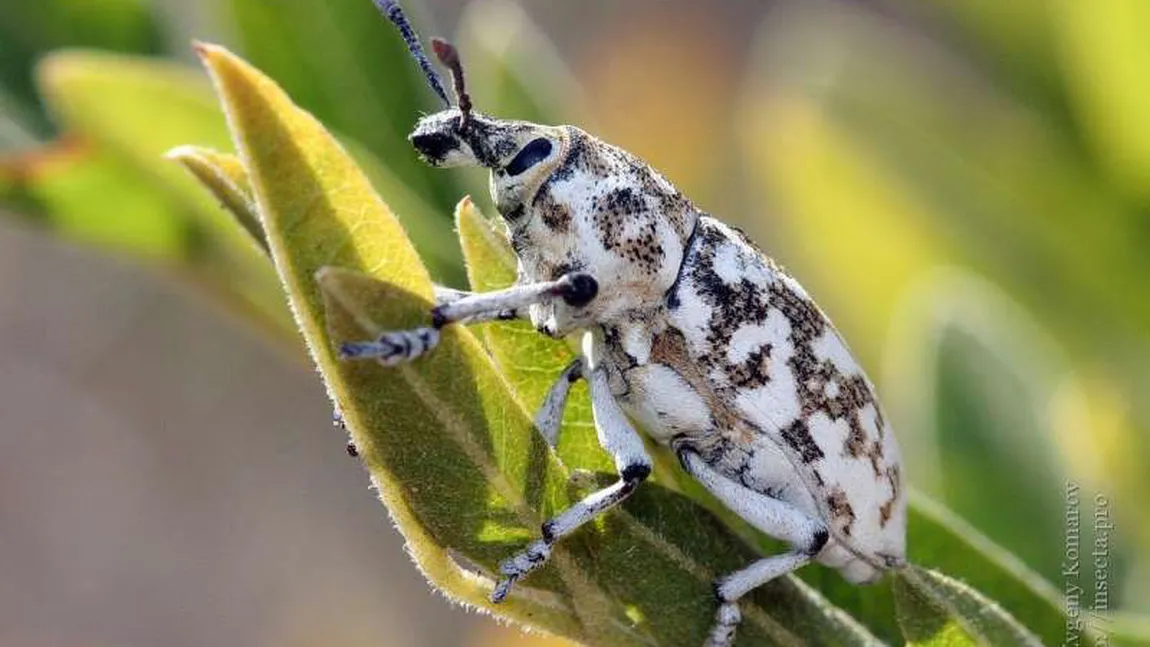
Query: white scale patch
(750,338)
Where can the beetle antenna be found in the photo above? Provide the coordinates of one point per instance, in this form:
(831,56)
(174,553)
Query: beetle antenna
(394,13)
(449,56)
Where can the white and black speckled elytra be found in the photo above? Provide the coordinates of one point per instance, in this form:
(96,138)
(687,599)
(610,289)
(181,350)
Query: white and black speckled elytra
(688,330)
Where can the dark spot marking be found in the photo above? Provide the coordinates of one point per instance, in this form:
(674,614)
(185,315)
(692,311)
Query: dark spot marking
(818,541)
(840,509)
(798,436)
(752,372)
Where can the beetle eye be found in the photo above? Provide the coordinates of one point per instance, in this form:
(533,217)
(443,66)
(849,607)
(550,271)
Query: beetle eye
(531,154)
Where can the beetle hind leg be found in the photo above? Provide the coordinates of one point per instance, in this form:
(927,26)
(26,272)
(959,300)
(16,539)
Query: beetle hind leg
(729,589)
(806,534)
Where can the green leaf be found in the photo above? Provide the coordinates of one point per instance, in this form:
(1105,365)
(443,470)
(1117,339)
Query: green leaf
(143,108)
(1018,46)
(224,175)
(449,445)
(71,186)
(941,541)
(972,177)
(924,621)
(937,610)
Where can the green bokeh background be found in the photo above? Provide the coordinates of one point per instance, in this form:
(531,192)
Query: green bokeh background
(964,185)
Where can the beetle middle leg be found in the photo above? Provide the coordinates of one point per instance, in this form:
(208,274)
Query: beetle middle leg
(550,415)
(623,443)
(452,306)
(805,533)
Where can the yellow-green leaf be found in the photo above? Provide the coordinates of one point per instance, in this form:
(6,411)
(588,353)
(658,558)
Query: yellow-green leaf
(448,444)
(224,175)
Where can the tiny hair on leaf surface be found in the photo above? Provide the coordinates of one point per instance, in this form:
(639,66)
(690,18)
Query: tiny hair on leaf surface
(449,442)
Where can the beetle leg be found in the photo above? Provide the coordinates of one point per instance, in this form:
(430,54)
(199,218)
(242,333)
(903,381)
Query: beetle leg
(632,463)
(550,414)
(806,534)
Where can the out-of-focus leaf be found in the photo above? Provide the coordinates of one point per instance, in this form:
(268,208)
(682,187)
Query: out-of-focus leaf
(90,196)
(224,175)
(72,187)
(1105,54)
(18,124)
(29,30)
(973,376)
(466,474)
(142,108)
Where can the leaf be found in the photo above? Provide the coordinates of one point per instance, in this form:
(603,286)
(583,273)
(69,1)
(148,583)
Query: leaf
(1018,47)
(224,175)
(937,610)
(466,476)
(940,541)
(924,621)
(979,179)
(31,30)
(71,186)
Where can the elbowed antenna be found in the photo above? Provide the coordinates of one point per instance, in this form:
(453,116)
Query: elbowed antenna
(394,13)
(449,56)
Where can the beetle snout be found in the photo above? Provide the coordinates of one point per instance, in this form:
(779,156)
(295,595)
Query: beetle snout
(434,146)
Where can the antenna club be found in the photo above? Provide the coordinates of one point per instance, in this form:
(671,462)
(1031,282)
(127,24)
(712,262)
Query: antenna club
(448,55)
(445,52)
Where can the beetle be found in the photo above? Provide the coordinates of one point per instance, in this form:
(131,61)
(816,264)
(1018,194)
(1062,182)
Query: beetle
(689,330)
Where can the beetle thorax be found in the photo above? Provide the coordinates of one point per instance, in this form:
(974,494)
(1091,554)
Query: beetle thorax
(599,209)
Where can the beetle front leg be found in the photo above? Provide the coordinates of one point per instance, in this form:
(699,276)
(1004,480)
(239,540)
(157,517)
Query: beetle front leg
(452,306)
(632,463)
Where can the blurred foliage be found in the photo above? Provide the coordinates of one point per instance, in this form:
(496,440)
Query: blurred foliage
(963,184)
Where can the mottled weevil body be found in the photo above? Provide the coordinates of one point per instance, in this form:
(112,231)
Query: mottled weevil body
(689,330)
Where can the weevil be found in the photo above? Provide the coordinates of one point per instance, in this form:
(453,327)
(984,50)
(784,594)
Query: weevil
(690,333)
